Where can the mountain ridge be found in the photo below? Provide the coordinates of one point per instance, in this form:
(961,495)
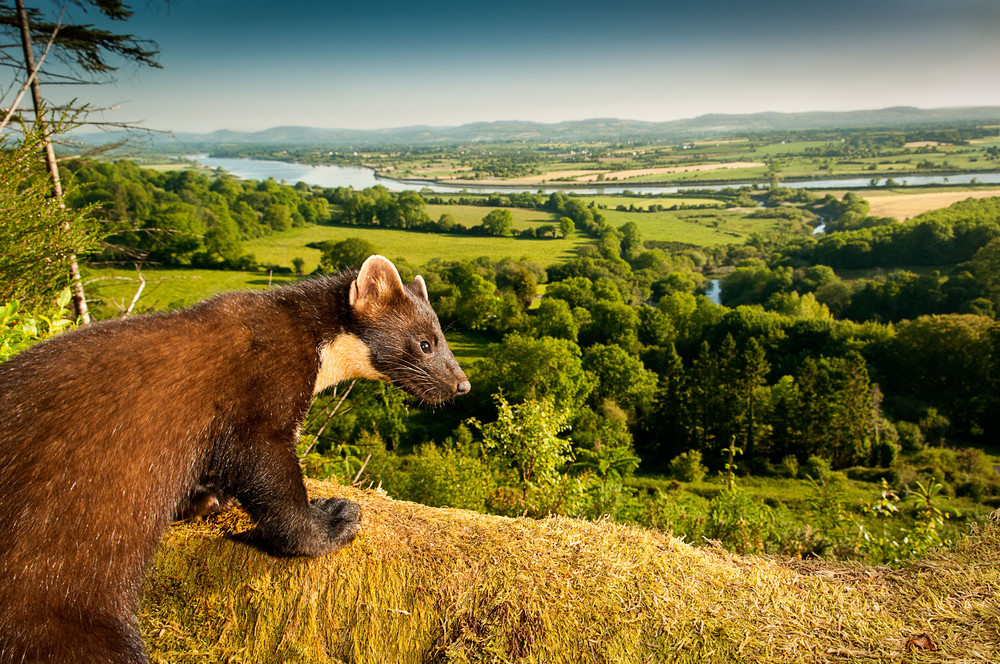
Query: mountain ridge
(591,129)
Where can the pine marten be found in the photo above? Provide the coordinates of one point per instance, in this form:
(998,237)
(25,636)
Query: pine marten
(110,430)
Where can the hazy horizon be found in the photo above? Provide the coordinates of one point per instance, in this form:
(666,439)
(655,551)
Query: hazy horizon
(251,65)
(558,122)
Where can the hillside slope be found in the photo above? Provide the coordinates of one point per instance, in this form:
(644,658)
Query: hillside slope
(424,584)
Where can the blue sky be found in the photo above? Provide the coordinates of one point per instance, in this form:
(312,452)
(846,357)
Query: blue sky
(249,64)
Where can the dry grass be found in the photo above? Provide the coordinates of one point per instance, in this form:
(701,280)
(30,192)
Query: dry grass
(592,175)
(906,206)
(548,176)
(440,585)
(639,172)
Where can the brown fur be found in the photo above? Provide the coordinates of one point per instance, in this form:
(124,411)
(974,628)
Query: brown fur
(109,431)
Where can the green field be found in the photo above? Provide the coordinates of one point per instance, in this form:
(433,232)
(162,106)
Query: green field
(700,227)
(703,227)
(472,215)
(468,346)
(109,290)
(417,248)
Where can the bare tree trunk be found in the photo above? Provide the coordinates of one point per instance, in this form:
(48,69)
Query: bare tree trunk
(79,298)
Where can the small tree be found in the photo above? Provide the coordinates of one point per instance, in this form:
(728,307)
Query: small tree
(731,452)
(499,222)
(86,52)
(565,226)
(38,237)
(526,438)
(346,254)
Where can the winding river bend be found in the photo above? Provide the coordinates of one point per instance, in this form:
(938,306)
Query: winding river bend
(332,175)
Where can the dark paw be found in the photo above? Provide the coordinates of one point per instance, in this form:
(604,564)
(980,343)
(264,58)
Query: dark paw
(341,517)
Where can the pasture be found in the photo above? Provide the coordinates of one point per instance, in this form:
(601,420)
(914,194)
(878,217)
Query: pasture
(699,227)
(110,289)
(416,247)
(472,215)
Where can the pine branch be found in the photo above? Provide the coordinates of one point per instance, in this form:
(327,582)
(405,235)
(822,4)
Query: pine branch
(32,76)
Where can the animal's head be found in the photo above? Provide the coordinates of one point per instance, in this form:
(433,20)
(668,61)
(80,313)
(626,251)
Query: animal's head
(402,333)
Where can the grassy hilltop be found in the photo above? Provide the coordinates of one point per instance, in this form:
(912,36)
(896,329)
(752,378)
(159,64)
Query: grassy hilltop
(427,584)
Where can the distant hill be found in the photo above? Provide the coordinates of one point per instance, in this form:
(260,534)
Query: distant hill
(598,129)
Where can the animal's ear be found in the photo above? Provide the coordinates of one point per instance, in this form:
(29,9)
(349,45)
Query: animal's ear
(377,281)
(418,283)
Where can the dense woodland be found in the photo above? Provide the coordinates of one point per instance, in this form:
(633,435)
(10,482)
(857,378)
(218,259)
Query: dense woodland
(868,352)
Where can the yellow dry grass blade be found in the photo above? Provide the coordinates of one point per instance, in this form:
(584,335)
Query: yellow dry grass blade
(424,584)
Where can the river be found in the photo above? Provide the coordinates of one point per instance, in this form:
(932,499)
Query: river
(332,175)
(714,291)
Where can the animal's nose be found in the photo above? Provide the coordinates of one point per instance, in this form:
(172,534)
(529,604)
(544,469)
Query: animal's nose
(463,388)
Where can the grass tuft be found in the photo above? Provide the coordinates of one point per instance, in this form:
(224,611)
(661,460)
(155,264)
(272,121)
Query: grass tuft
(426,584)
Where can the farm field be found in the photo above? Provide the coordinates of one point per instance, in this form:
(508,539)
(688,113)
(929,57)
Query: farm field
(725,158)
(699,227)
(472,215)
(641,174)
(903,206)
(703,227)
(693,173)
(643,202)
(417,248)
(110,289)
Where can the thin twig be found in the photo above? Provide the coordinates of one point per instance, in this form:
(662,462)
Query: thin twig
(361,469)
(329,417)
(31,76)
(138,291)
(336,408)
(322,411)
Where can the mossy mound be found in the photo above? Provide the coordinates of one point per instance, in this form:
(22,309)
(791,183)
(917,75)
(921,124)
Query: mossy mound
(425,584)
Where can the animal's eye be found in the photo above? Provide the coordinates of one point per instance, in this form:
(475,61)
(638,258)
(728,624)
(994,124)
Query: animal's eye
(426,347)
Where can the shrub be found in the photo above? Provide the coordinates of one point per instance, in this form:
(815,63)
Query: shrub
(789,466)
(874,475)
(937,458)
(447,480)
(525,437)
(816,467)
(681,513)
(911,438)
(433,477)
(38,238)
(974,489)
(885,453)
(687,467)
(974,462)
(740,522)
(935,426)
(885,539)
(20,329)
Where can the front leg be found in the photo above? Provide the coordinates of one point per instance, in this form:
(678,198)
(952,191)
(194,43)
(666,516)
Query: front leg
(267,481)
